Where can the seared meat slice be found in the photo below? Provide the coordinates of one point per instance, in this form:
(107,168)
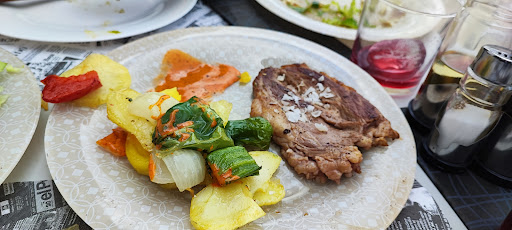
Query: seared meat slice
(318,122)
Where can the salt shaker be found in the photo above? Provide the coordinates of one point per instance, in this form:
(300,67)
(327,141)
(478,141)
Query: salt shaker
(480,23)
(472,110)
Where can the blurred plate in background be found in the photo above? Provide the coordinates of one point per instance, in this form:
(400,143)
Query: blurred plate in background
(18,115)
(85,20)
(280,9)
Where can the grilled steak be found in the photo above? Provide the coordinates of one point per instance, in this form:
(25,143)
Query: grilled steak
(318,122)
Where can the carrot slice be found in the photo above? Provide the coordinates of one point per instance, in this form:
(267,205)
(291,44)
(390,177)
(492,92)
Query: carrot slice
(115,142)
(152,168)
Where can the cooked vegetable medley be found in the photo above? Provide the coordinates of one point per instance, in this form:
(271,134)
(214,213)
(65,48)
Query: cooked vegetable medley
(195,125)
(174,143)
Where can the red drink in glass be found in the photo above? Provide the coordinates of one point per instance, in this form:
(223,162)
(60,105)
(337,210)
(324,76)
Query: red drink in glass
(393,63)
(397,41)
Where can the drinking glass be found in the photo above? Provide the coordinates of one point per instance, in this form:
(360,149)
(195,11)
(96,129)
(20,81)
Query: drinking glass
(397,41)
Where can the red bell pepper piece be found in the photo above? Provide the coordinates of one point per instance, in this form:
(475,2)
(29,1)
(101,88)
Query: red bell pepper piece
(64,89)
(115,142)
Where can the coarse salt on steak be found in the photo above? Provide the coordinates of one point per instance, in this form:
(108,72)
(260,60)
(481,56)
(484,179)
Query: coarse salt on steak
(318,122)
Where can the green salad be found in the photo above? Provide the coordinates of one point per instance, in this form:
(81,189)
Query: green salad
(343,13)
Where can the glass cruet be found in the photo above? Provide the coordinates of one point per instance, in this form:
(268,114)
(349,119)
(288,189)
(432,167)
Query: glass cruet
(473,109)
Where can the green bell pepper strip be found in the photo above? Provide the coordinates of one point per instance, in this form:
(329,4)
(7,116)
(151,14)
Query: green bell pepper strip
(252,133)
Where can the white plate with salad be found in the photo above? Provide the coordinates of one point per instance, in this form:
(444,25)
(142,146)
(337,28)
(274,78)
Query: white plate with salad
(338,18)
(85,20)
(108,193)
(20,106)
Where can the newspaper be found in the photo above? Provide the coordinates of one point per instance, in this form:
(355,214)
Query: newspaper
(420,212)
(39,205)
(36,205)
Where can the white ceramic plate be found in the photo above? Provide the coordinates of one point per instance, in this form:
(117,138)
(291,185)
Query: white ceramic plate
(280,9)
(18,115)
(107,193)
(87,20)
(410,26)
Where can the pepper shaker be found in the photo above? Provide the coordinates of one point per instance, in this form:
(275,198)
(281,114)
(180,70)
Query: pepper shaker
(472,111)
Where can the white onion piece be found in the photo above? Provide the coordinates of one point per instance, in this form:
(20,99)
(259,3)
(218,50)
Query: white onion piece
(167,104)
(162,174)
(140,105)
(187,167)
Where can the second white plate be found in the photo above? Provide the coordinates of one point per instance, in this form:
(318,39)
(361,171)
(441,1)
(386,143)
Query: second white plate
(86,20)
(19,115)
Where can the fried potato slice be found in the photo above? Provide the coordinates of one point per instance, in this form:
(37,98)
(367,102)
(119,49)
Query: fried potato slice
(269,163)
(238,203)
(151,105)
(223,109)
(137,156)
(270,193)
(113,76)
(226,207)
(118,104)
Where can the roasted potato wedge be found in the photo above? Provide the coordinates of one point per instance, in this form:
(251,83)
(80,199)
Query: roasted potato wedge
(270,193)
(223,109)
(269,163)
(137,155)
(226,207)
(118,112)
(113,76)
